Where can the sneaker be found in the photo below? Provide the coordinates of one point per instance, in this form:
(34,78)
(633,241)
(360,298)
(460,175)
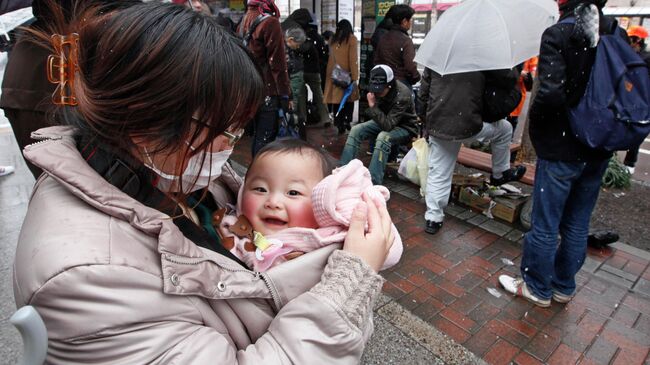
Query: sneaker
(432,227)
(6,170)
(518,287)
(514,174)
(630,169)
(561,298)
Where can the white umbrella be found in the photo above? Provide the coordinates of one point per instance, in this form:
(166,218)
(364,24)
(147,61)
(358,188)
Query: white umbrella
(486,35)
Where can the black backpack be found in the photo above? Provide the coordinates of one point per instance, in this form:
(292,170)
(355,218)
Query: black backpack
(501,94)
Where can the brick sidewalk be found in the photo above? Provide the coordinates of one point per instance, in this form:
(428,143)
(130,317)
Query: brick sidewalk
(450,281)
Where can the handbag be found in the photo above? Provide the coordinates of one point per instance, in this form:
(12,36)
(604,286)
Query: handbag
(340,77)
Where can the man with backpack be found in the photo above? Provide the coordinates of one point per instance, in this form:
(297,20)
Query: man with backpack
(568,172)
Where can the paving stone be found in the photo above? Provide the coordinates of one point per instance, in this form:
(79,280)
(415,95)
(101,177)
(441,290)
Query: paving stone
(478,219)
(515,235)
(590,265)
(466,215)
(454,210)
(645,255)
(495,227)
(642,286)
(618,272)
(614,278)
(501,352)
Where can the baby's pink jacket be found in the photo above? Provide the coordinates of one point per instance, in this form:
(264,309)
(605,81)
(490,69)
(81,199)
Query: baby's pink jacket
(333,201)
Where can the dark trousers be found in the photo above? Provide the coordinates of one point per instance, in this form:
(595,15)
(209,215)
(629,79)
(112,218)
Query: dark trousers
(631,156)
(265,124)
(344,118)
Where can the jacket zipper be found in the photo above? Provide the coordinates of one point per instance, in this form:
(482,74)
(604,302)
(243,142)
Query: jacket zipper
(258,275)
(42,139)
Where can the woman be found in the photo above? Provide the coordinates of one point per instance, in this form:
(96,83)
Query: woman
(117,252)
(343,51)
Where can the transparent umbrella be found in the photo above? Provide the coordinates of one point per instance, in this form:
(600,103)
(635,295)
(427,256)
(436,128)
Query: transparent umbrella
(486,35)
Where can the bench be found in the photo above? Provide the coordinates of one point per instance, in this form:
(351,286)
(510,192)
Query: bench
(483,161)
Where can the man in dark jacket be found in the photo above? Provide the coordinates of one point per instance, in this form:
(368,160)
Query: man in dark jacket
(396,48)
(568,173)
(454,113)
(392,121)
(314,54)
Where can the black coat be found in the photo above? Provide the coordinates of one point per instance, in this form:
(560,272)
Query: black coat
(314,50)
(564,68)
(396,109)
(452,104)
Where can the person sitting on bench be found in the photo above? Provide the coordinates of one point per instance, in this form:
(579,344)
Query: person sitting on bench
(391,120)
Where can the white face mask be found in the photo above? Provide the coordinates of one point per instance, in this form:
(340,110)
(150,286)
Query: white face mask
(198,174)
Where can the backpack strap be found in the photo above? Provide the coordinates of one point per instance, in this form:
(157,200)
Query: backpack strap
(247,37)
(135,180)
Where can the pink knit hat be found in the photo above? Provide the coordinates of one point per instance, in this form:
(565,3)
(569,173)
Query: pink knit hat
(336,196)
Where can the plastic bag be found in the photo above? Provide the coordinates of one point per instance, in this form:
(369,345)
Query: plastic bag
(415,164)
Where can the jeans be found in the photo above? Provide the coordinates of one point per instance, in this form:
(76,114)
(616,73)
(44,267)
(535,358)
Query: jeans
(442,159)
(565,194)
(384,142)
(265,124)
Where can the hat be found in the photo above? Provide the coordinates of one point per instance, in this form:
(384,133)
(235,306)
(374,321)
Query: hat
(637,31)
(380,77)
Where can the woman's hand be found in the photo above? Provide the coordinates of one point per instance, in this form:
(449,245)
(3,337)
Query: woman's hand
(371,246)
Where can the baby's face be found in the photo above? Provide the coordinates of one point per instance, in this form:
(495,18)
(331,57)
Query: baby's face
(277,191)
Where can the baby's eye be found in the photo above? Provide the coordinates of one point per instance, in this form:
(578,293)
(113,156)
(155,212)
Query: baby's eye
(259,189)
(294,193)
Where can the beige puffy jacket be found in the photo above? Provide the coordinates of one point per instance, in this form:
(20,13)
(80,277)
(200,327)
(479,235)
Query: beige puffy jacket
(117,283)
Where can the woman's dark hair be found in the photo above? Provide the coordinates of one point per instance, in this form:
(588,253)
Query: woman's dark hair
(343,32)
(400,12)
(147,70)
(295,145)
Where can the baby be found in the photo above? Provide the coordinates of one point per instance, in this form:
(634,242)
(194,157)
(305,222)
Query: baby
(292,203)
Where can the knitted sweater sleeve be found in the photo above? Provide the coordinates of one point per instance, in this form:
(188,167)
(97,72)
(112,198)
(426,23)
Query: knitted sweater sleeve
(350,286)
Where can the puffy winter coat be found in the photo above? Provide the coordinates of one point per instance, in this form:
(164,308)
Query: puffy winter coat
(116,282)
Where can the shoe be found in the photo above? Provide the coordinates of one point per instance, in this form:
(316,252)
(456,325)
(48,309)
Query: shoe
(327,124)
(432,227)
(6,170)
(561,298)
(514,174)
(518,287)
(600,240)
(630,169)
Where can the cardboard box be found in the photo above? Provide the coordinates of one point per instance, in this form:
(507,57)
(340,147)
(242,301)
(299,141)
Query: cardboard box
(503,208)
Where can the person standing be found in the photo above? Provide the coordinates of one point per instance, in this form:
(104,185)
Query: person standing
(396,48)
(637,35)
(314,55)
(262,33)
(453,111)
(391,121)
(568,173)
(343,52)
